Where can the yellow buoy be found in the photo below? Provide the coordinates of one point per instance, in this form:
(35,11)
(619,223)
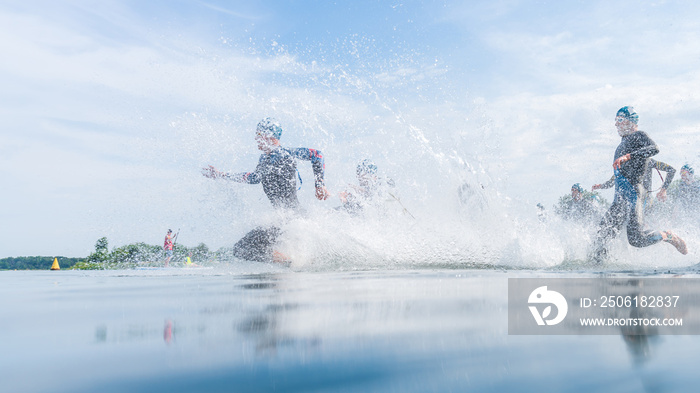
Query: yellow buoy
(55,265)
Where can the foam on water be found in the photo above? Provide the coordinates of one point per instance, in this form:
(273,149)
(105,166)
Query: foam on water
(501,233)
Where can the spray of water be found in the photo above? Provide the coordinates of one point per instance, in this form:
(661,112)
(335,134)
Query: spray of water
(448,208)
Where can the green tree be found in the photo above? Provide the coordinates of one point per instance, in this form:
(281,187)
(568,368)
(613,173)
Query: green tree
(102,246)
(200,253)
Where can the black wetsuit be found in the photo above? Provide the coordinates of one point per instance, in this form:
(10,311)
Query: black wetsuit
(660,166)
(277,172)
(648,175)
(629,193)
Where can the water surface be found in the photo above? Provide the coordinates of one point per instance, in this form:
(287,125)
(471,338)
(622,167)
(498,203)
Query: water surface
(264,328)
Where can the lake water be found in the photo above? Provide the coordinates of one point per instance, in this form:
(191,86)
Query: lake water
(258,327)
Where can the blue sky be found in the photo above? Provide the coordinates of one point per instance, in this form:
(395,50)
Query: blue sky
(110,108)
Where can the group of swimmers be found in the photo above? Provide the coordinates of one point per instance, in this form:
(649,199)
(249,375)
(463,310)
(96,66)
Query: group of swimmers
(632,166)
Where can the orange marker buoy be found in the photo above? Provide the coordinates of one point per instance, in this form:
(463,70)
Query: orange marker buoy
(55,265)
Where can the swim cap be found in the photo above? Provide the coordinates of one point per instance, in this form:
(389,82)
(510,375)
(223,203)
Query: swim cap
(628,113)
(687,167)
(577,187)
(366,167)
(270,126)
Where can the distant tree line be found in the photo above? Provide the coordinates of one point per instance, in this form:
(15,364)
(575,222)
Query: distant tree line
(124,257)
(142,254)
(36,263)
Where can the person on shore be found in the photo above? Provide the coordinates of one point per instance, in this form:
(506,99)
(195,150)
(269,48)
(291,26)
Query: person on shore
(168,246)
(629,165)
(277,171)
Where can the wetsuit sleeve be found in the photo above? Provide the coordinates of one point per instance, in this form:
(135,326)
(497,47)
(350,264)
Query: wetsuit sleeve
(670,172)
(608,184)
(317,162)
(246,177)
(646,147)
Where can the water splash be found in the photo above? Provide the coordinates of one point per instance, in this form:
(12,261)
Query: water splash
(437,144)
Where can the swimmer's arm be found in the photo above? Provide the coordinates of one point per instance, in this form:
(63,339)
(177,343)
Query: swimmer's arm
(242,177)
(317,162)
(670,172)
(606,185)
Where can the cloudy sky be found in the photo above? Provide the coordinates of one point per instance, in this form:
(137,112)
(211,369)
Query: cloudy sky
(110,108)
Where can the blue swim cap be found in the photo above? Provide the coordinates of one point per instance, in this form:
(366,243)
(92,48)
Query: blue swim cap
(270,126)
(628,113)
(687,167)
(366,167)
(577,187)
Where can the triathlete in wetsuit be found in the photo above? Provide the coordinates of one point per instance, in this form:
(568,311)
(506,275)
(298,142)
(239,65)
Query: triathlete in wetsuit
(277,171)
(630,165)
(685,193)
(370,187)
(580,207)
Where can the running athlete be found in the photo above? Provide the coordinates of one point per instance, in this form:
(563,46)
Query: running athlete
(580,206)
(370,186)
(277,171)
(685,192)
(629,164)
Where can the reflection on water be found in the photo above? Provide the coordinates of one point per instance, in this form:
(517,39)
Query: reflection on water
(168,331)
(285,331)
(638,337)
(101,334)
(265,330)
(638,340)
